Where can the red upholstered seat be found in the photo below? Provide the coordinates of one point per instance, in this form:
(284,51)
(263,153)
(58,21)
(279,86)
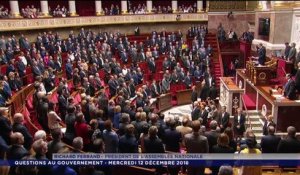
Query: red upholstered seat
(102,74)
(28,70)
(77,98)
(28,79)
(159,65)
(3,69)
(70,86)
(54,97)
(158,76)
(144,67)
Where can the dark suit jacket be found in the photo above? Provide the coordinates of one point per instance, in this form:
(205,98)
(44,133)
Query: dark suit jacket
(269,143)
(204,115)
(16,152)
(154,145)
(297,80)
(23,130)
(194,96)
(289,145)
(290,90)
(262,55)
(241,123)
(5,129)
(196,114)
(266,125)
(128,144)
(172,138)
(212,137)
(224,120)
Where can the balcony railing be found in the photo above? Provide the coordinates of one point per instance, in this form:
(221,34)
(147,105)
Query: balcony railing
(43,23)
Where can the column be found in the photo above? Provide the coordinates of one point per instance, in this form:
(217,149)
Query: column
(149,6)
(199,5)
(207,6)
(72,8)
(98,5)
(14,9)
(44,8)
(174,6)
(124,7)
(264,5)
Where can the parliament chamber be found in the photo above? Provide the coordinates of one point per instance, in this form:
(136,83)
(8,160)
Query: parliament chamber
(150,76)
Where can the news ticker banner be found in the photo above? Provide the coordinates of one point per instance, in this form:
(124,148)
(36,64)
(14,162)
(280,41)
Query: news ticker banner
(174,159)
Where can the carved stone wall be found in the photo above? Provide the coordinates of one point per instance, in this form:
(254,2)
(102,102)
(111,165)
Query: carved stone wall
(221,6)
(239,22)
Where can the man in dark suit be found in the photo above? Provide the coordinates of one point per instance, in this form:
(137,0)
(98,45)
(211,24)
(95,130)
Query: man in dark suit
(151,64)
(292,53)
(5,126)
(287,50)
(172,137)
(152,143)
(194,96)
(268,122)
(62,104)
(128,142)
(290,88)
(196,143)
(204,114)
(297,78)
(269,143)
(56,144)
(212,135)
(18,126)
(291,144)
(69,69)
(21,68)
(16,151)
(261,50)
(239,123)
(196,111)
(224,119)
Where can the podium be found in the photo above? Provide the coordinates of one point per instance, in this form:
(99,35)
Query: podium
(184,97)
(164,102)
(259,75)
(230,95)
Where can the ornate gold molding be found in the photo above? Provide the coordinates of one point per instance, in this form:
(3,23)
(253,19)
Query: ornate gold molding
(44,23)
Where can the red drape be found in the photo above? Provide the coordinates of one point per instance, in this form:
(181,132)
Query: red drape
(24,4)
(166,3)
(85,8)
(135,3)
(187,3)
(61,3)
(5,4)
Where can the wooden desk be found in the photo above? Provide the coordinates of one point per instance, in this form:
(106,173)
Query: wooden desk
(284,111)
(164,102)
(184,97)
(230,95)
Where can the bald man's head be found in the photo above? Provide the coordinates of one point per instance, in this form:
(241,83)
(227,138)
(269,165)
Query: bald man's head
(271,130)
(17,138)
(291,130)
(18,118)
